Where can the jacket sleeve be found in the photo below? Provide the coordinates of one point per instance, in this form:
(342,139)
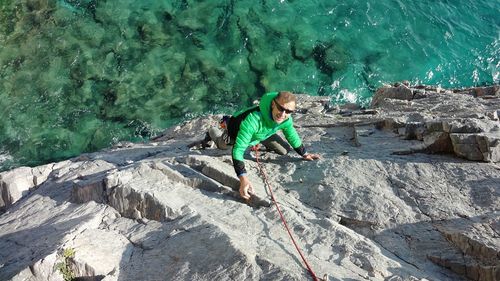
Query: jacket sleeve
(293,138)
(247,129)
(291,135)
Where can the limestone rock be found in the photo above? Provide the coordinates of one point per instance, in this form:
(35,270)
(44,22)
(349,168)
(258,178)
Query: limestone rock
(19,182)
(478,147)
(408,191)
(402,92)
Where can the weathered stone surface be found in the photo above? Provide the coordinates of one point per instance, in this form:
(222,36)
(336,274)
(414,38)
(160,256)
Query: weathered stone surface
(162,211)
(478,147)
(414,131)
(477,240)
(19,182)
(15,184)
(438,142)
(223,173)
(402,92)
(482,91)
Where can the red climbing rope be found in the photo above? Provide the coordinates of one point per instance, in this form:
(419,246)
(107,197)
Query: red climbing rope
(283,218)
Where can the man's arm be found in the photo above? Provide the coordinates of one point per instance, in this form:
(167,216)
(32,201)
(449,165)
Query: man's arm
(247,129)
(292,137)
(294,140)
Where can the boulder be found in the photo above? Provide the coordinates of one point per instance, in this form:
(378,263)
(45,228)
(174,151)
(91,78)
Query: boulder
(402,92)
(477,147)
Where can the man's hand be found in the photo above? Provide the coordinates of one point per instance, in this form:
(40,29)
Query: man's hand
(310,156)
(246,189)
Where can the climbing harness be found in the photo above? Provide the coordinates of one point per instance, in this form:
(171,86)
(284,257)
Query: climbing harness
(309,269)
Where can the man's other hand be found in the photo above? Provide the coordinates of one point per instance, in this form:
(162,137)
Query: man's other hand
(310,156)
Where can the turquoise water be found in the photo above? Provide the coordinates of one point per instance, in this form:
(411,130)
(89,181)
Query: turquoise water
(79,75)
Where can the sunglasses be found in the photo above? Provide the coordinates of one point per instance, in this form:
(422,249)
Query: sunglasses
(281,108)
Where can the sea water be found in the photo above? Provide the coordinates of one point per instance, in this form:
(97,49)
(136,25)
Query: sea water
(79,75)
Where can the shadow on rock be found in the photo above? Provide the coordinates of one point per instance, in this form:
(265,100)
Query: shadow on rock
(34,244)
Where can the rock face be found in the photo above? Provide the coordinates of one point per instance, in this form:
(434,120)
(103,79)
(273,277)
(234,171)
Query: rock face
(467,126)
(407,190)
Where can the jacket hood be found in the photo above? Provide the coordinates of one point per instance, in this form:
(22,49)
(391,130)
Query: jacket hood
(265,108)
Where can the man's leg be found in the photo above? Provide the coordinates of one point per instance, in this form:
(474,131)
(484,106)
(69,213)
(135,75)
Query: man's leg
(219,137)
(277,144)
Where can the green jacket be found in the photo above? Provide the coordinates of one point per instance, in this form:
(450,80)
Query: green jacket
(259,125)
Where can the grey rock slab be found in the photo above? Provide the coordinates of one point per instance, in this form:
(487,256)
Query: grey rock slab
(160,211)
(14,184)
(402,92)
(140,191)
(476,237)
(219,170)
(192,250)
(50,225)
(19,182)
(477,147)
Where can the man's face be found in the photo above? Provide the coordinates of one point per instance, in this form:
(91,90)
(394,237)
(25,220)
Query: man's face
(281,111)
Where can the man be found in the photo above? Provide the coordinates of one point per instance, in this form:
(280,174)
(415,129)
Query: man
(257,124)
